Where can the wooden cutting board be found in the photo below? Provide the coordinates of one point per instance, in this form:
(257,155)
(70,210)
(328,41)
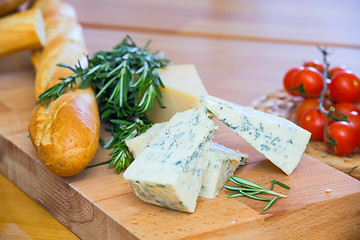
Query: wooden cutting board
(323,203)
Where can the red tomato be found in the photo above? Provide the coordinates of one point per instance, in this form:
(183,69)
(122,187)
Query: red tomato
(336,69)
(304,106)
(315,64)
(314,121)
(345,107)
(345,87)
(288,80)
(345,137)
(354,120)
(311,81)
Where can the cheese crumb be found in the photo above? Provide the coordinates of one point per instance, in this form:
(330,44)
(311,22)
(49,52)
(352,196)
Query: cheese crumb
(328,190)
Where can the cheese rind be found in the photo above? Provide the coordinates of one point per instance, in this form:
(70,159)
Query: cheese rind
(222,164)
(278,139)
(183,87)
(169,171)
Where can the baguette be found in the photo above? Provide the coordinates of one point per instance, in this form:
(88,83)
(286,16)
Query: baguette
(21,31)
(65,132)
(7,6)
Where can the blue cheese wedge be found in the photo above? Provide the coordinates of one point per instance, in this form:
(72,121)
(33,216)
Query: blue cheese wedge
(278,139)
(169,171)
(222,164)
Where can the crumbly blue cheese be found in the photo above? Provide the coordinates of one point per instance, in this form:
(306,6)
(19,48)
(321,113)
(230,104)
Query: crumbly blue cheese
(222,164)
(168,172)
(278,139)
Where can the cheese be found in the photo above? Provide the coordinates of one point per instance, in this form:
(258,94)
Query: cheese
(278,139)
(138,143)
(222,164)
(183,87)
(222,161)
(168,172)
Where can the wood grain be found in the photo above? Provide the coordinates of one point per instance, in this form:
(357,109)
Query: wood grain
(307,22)
(16,206)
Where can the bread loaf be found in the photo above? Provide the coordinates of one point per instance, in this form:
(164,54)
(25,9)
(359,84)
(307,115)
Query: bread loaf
(7,6)
(65,132)
(21,31)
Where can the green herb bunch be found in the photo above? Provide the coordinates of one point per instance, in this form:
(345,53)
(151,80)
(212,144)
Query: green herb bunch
(126,84)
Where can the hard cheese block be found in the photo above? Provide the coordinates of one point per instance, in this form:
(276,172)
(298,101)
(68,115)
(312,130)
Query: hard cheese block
(183,87)
(278,139)
(222,164)
(168,172)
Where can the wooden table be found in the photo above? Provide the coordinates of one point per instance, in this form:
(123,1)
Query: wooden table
(241,50)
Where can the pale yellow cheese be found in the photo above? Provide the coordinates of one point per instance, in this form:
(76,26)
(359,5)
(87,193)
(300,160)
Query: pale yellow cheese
(183,87)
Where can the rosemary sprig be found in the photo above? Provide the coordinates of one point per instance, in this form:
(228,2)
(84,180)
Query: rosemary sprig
(126,84)
(250,189)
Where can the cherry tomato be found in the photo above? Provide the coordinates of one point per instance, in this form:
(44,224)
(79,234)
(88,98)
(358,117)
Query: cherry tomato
(311,81)
(304,106)
(288,80)
(345,137)
(345,87)
(314,121)
(315,64)
(336,69)
(345,107)
(354,120)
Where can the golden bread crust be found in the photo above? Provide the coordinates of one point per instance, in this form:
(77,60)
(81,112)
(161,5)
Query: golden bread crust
(65,132)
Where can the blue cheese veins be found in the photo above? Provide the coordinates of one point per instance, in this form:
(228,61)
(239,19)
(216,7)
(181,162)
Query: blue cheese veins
(222,161)
(278,139)
(169,171)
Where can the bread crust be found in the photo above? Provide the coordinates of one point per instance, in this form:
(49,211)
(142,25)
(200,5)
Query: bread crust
(22,31)
(7,6)
(65,132)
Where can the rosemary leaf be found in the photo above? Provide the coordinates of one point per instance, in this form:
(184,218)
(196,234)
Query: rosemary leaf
(254,197)
(270,203)
(246,182)
(236,195)
(280,184)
